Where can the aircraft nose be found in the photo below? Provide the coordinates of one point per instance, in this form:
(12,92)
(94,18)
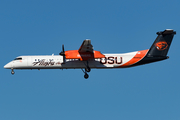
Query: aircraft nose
(8,66)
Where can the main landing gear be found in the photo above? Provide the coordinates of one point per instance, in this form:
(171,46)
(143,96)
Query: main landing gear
(86,76)
(87,69)
(12,71)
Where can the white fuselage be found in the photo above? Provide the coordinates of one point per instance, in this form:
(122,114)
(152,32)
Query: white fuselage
(56,62)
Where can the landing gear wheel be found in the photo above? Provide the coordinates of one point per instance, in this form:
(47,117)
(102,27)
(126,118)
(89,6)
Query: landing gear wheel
(12,72)
(86,76)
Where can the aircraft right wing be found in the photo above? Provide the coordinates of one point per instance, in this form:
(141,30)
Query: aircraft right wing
(86,46)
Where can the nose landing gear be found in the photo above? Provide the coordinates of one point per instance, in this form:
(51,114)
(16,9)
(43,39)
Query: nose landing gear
(12,71)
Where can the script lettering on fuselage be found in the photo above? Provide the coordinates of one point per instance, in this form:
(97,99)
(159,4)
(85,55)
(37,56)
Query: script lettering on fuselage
(111,60)
(44,62)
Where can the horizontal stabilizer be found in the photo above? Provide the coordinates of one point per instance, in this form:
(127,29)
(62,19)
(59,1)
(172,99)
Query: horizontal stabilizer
(167,31)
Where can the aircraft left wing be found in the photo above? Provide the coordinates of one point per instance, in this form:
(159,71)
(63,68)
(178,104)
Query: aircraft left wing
(86,47)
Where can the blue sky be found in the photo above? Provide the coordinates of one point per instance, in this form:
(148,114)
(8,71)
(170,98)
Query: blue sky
(40,27)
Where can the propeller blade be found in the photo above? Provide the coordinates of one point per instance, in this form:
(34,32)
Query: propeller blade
(63,48)
(62,53)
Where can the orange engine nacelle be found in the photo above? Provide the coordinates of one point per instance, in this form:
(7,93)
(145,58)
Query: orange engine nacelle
(83,56)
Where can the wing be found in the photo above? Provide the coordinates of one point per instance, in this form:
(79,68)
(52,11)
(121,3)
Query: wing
(84,53)
(86,46)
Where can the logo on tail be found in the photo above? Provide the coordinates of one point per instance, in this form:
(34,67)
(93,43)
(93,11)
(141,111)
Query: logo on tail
(162,45)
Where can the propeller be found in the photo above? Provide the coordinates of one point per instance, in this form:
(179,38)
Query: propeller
(62,53)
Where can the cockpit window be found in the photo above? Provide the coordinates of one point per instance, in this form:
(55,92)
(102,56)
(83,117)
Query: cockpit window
(18,58)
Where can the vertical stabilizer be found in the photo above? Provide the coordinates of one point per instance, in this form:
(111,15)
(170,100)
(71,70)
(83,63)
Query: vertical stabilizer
(159,48)
(162,43)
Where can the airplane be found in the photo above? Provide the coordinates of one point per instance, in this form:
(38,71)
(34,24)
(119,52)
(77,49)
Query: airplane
(86,58)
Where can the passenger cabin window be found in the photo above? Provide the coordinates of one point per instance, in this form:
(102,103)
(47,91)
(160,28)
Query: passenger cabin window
(18,59)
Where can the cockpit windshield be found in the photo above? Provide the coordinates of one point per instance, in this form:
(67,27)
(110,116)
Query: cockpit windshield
(19,58)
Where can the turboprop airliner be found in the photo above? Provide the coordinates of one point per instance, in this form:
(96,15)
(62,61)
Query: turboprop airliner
(86,58)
